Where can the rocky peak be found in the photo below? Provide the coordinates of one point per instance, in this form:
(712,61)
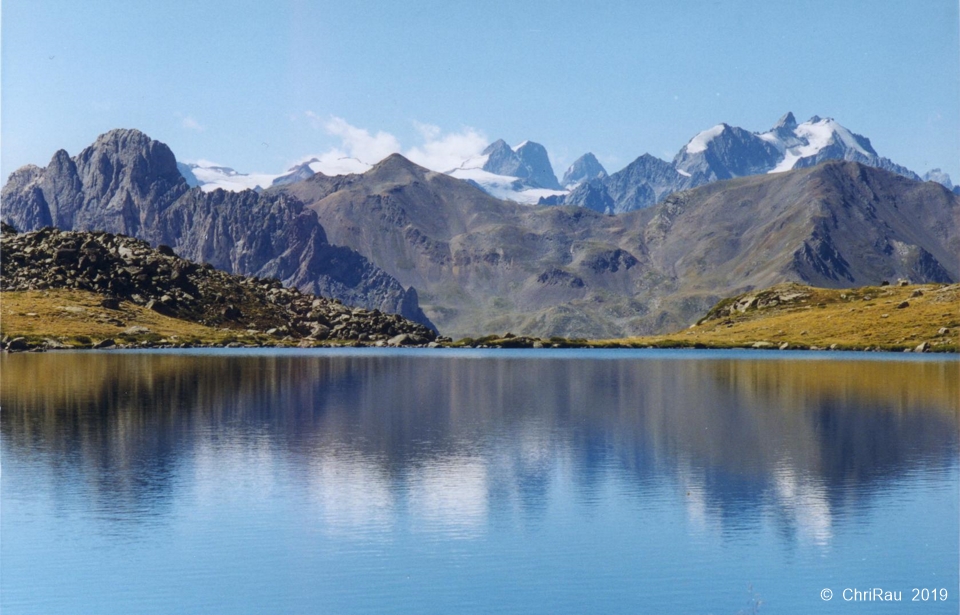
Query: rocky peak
(501,159)
(127,156)
(129,184)
(787,122)
(936,175)
(724,152)
(295,174)
(529,162)
(537,165)
(583,168)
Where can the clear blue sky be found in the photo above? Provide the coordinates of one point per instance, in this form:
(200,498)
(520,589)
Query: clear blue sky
(233,82)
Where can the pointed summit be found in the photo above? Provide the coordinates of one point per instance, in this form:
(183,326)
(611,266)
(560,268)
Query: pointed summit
(584,168)
(787,122)
(536,161)
(529,162)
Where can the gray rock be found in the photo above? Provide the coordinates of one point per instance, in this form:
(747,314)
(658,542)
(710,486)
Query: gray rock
(17,343)
(529,162)
(584,168)
(130,270)
(107,343)
(128,183)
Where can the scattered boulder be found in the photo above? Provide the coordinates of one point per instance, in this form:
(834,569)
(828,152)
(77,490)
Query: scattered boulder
(107,343)
(125,269)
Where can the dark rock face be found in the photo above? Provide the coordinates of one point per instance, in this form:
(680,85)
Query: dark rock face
(592,194)
(642,183)
(129,184)
(734,152)
(583,169)
(536,162)
(126,269)
(530,163)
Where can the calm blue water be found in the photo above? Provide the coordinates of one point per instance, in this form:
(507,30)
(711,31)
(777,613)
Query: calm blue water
(471,482)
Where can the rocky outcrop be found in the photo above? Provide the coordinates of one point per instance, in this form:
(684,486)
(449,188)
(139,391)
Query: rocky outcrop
(129,184)
(125,269)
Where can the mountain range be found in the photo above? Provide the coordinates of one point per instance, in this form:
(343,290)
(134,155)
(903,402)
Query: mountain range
(481,265)
(127,183)
(524,173)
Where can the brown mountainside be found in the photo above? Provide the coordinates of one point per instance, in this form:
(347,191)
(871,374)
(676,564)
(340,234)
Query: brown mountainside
(484,265)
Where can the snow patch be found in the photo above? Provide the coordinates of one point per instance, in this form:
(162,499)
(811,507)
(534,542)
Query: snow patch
(815,136)
(699,143)
(503,187)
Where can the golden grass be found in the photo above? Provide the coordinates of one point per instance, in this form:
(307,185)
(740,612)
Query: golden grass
(76,318)
(848,318)
(859,318)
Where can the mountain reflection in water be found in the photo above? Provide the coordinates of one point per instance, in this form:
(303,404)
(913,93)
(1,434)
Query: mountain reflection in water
(451,439)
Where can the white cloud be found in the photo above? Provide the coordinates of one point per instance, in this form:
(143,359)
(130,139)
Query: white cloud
(191,124)
(359,149)
(443,152)
(359,143)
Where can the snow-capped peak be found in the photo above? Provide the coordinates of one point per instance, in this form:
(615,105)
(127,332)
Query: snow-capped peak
(811,138)
(699,143)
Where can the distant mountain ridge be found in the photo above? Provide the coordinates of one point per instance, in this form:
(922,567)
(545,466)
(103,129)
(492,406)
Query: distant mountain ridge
(484,265)
(129,184)
(525,174)
(725,152)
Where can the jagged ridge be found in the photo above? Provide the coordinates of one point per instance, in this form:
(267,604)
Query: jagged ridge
(128,183)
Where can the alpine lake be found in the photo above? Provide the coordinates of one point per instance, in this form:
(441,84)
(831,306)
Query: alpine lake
(365,481)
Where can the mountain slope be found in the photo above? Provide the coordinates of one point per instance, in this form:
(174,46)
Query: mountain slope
(129,184)
(484,265)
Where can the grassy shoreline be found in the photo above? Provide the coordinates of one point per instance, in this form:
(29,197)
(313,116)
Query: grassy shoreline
(786,317)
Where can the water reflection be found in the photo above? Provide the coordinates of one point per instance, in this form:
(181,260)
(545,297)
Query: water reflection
(446,444)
